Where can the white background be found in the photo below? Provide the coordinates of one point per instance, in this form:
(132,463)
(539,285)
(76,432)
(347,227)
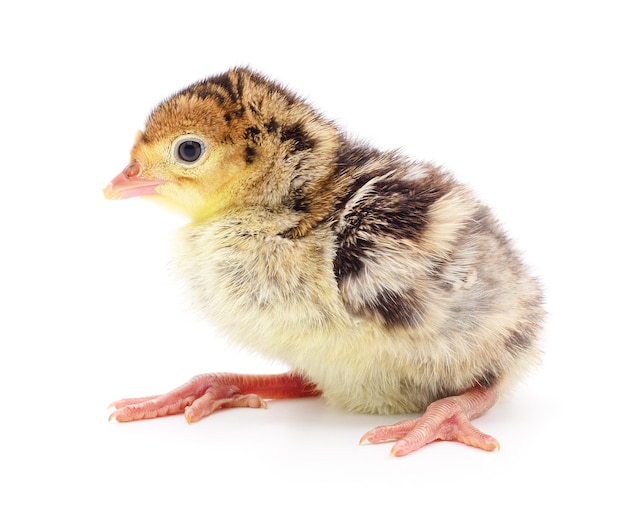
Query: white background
(524,101)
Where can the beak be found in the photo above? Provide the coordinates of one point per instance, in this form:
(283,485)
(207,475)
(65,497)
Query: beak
(129,183)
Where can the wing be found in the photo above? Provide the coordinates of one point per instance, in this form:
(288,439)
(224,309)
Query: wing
(397,244)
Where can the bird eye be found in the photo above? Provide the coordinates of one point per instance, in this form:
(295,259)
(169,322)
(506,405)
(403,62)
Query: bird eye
(189,150)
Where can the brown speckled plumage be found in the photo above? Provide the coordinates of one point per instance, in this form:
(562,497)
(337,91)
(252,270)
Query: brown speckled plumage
(381,280)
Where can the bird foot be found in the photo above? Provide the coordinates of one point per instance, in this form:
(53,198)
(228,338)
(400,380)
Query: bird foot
(445,419)
(204,394)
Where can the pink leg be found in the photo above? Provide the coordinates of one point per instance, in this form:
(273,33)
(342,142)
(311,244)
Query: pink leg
(206,393)
(445,419)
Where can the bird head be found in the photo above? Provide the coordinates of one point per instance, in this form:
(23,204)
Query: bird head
(233,140)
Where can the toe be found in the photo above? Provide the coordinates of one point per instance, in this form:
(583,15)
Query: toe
(388,433)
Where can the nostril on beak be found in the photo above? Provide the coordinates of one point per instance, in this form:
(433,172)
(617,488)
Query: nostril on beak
(132,170)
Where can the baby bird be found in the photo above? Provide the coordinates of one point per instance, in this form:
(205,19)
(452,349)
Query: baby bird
(383,283)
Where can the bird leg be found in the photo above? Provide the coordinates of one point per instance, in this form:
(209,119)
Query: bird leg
(206,393)
(445,419)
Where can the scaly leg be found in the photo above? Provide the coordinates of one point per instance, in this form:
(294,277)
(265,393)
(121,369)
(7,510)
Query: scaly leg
(206,393)
(445,419)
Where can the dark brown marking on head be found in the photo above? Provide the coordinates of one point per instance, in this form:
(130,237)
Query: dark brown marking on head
(254,109)
(239,87)
(252,134)
(301,204)
(203,90)
(301,140)
(250,154)
(223,81)
(272,126)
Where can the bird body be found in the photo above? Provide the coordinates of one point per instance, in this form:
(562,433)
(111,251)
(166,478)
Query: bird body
(382,281)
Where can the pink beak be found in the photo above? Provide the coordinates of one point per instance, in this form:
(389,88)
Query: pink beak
(130,184)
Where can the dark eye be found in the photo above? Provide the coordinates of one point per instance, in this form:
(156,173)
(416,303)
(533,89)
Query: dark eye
(189,150)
